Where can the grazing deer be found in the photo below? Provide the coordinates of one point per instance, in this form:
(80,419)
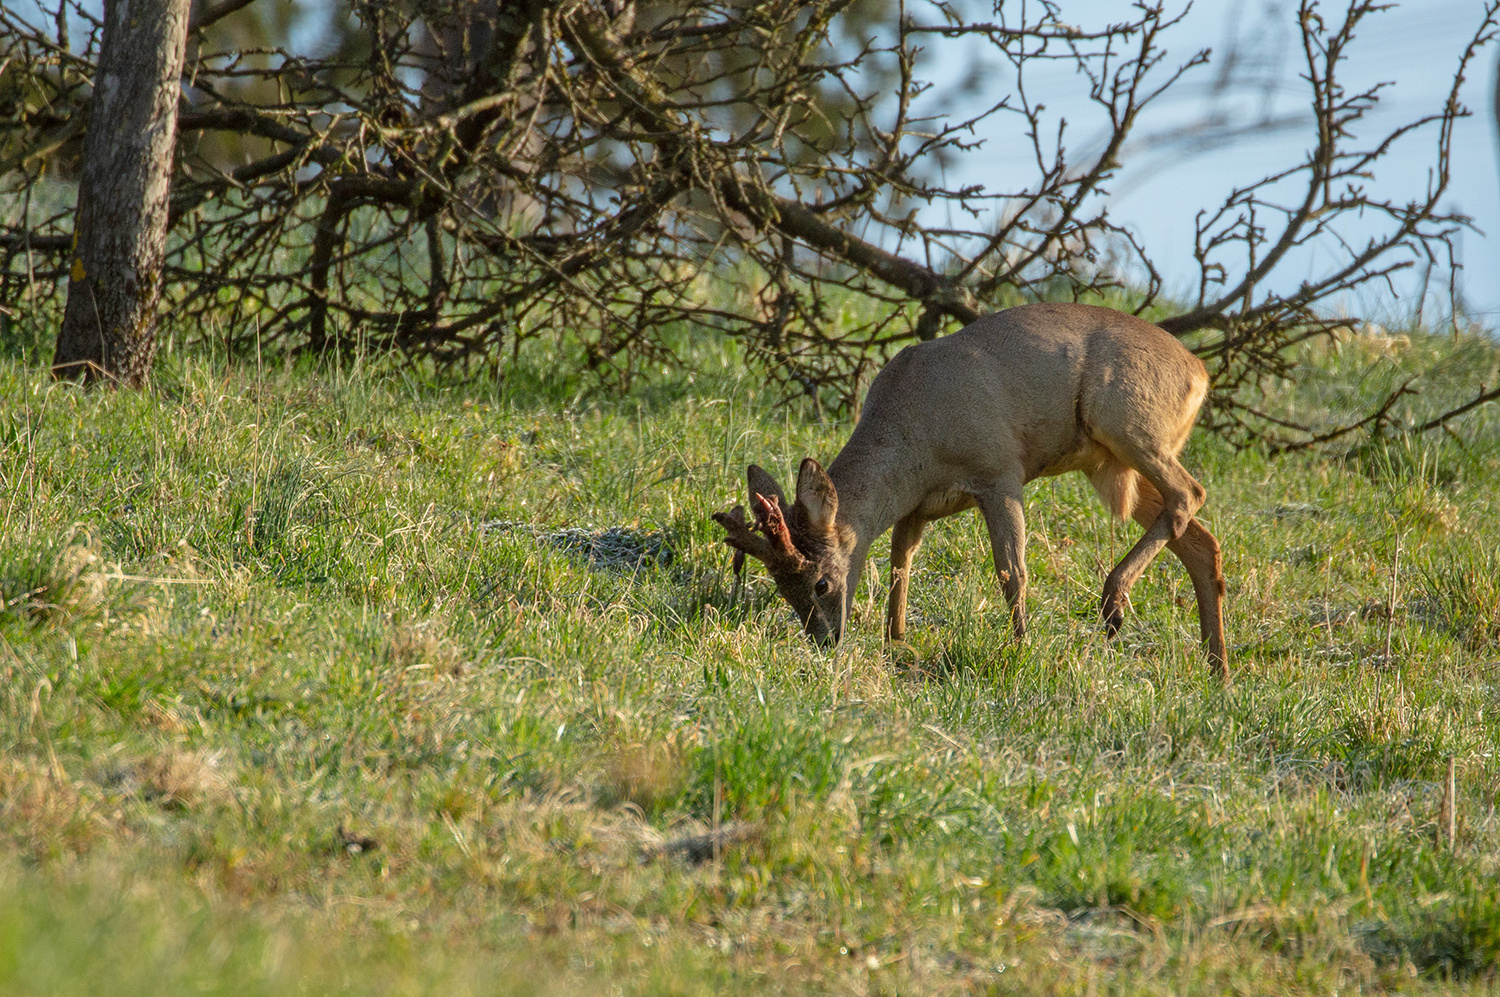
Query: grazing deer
(964,421)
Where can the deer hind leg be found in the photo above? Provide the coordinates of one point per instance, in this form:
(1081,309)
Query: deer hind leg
(906,537)
(1198,551)
(1178,497)
(1005,515)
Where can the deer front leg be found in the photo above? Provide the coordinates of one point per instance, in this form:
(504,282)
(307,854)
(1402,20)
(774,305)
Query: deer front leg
(1005,515)
(906,537)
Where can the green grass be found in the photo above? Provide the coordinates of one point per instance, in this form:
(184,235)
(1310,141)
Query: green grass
(304,684)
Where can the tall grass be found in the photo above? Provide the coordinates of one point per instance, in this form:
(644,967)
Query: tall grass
(359,680)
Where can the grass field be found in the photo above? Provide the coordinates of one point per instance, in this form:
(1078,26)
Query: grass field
(347,681)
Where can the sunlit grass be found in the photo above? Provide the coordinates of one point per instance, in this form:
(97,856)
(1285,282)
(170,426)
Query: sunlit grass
(305,681)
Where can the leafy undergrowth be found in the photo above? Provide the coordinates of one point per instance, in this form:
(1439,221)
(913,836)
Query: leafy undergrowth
(347,682)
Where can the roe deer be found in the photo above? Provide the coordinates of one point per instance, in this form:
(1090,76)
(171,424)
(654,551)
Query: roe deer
(965,421)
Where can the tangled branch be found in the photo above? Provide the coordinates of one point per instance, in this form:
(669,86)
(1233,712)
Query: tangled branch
(449,180)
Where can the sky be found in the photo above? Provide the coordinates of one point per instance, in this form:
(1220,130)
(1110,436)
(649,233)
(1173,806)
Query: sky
(1415,46)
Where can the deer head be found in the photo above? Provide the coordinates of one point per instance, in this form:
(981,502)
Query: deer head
(803,547)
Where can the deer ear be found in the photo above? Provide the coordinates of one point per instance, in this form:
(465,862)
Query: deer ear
(817,496)
(762,483)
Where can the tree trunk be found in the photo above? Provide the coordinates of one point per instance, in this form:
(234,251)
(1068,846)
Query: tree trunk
(120,226)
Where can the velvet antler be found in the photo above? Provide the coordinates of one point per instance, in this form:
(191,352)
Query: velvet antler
(768,539)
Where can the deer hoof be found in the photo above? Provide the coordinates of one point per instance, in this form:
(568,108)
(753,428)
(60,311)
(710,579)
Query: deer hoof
(1114,618)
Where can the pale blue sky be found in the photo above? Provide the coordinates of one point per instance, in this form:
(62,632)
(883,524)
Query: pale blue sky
(1415,45)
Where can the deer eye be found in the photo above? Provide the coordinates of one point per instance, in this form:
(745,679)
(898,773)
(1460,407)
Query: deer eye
(822,587)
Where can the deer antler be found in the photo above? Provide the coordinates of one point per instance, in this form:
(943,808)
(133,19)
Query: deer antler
(739,536)
(770,521)
(768,539)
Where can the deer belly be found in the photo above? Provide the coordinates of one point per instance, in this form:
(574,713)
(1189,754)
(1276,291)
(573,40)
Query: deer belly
(1084,455)
(946,502)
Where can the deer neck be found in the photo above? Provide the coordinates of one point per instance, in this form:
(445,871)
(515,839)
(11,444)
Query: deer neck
(871,486)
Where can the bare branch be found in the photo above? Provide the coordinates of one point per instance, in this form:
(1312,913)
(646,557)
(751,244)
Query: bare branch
(452,180)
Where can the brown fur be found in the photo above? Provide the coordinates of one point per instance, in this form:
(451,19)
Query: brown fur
(965,421)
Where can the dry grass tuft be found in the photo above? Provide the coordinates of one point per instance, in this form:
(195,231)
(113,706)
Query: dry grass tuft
(56,586)
(412,646)
(183,780)
(646,775)
(44,811)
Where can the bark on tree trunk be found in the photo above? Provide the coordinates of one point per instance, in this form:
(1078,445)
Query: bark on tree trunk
(120,225)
